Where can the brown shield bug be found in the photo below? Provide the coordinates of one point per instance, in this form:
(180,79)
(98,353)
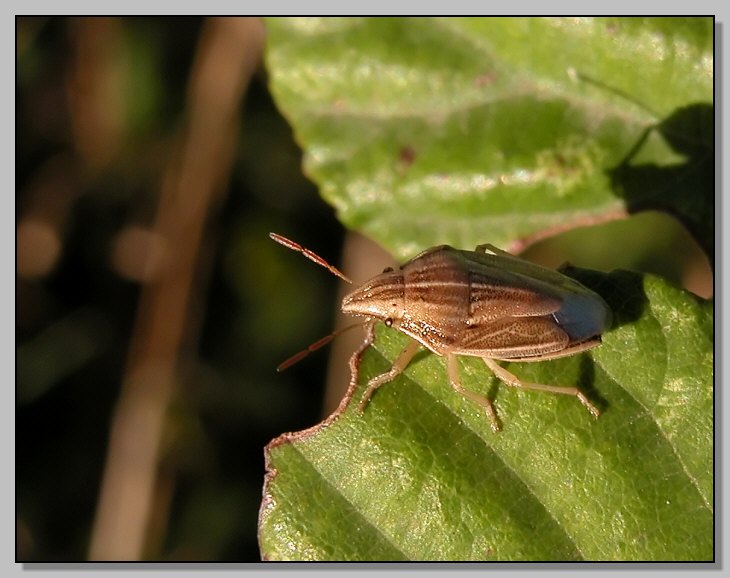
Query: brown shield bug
(484,303)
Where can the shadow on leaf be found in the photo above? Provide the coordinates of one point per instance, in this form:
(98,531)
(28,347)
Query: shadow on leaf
(685,190)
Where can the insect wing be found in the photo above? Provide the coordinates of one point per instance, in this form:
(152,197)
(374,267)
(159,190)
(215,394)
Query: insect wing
(498,291)
(508,288)
(522,272)
(514,338)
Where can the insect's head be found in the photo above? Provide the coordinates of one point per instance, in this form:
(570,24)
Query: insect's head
(380,298)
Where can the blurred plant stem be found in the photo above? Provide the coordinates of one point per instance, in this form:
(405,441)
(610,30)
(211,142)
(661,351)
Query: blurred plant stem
(229,52)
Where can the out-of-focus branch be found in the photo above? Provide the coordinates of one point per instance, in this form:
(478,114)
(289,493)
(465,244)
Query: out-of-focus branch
(228,54)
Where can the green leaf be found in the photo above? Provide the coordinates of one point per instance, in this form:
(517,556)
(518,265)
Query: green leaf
(504,130)
(423,131)
(420,475)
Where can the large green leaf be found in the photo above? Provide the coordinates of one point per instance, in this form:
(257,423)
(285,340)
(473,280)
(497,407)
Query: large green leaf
(421,476)
(465,131)
(427,131)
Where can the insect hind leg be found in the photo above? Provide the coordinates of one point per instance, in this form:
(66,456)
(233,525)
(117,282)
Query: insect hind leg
(489,248)
(453,373)
(513,381)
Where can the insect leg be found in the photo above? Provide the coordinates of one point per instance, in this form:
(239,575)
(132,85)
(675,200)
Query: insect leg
(401,362)
(357,354)
(453,372)
(514,381)
(483,248)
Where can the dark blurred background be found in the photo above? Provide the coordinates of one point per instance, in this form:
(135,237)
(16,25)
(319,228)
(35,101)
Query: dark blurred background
(152,308)
(135,270)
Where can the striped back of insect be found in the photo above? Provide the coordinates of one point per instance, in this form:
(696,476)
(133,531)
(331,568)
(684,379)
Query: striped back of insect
(436,298)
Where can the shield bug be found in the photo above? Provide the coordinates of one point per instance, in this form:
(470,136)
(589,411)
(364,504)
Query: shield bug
(484,303)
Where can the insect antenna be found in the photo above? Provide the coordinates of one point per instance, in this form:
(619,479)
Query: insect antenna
(315,346)
(311,255)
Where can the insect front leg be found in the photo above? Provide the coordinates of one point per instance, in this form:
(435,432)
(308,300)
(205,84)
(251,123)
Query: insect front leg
(512,380)
(452,369)
(401,362)
(357,354)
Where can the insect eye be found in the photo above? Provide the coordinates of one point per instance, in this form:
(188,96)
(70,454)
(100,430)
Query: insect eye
(389,321)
